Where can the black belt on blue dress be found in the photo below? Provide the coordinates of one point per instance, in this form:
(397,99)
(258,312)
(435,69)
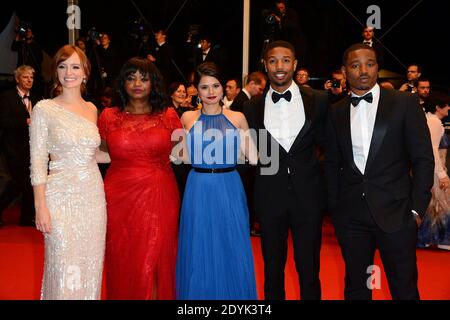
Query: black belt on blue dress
(214,170)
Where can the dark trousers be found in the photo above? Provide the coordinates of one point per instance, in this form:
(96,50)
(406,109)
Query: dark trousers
(306,236)
(359,236)
(247,174)
(20,184)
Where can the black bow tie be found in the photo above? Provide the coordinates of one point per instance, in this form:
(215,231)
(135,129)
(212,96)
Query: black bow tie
(355,100)
(25,97)
(277,96)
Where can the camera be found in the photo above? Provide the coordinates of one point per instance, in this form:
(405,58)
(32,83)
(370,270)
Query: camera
(139,30)
(335,83)
(22,29)
(269,17)
(93,34)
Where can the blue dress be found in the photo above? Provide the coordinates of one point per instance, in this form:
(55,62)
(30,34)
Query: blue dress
(215,259)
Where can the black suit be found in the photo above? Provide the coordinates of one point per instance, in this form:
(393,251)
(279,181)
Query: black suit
(110,63)
(374,209)
(379,49)
(212,56)
(15,146)
(238,102)
(292,200)
(164,55)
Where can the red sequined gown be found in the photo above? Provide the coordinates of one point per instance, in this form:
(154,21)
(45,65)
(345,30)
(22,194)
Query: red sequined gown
(142,205)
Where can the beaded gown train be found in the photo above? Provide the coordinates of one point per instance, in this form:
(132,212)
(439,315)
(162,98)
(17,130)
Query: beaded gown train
(142,204)
(74,194)
(215,259)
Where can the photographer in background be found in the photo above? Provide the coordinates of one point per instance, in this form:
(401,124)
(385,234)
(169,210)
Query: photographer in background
(109,59)
(162,55)
(336,87)
(288,27)
(29,53)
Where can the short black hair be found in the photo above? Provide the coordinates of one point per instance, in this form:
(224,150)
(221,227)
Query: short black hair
(423,79)
(279,43)
(354,47)
(419,67)
(238,82)
(158,98)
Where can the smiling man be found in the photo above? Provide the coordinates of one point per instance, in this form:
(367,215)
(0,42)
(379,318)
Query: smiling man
(379,169)
(289,200)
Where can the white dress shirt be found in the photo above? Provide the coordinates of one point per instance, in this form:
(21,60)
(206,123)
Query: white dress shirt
(205,53)
(362,122)
(284,120)
(227,103)
(436,133)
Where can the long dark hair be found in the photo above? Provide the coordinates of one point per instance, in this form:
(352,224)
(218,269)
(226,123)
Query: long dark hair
(158,98)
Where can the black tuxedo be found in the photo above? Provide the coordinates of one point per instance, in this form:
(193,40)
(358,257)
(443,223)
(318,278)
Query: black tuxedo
(374,209)
(379,49)
(292,201)
(16,151)
(238,102)
(212,56)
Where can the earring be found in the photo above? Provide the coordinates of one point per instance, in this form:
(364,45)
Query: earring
(198,100)
(84,80)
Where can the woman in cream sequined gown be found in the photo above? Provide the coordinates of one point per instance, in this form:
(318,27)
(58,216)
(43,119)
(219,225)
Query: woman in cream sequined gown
(71,210)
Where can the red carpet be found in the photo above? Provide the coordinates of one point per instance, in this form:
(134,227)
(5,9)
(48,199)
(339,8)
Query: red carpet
(21,266)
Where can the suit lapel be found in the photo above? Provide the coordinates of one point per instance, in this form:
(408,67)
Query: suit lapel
(21,107)
(308,101)
(260,111)
(380,127)
(346,134)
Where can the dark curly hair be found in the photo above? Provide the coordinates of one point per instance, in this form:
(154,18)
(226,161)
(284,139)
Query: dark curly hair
(158,98)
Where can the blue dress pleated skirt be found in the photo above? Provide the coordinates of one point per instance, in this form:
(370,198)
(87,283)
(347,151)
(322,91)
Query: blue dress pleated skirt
(215,260)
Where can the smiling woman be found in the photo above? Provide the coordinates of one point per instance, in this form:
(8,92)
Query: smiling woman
(70,201)
(214,256)
(141,189)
